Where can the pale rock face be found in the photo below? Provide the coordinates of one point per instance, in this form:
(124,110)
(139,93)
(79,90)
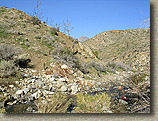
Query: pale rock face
(82,38)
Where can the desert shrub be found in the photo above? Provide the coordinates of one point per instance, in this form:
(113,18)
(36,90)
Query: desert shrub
(3,32)
(122,66)
(66,56)
(96,53)
(7,52)
(84,68)
(53,31)
(98,103)
(2,110)
(98,67)
(58,103)
(2,10)
(112,65)
(138,78)
(140,83)
(119,65)
(7,69)
(36,21)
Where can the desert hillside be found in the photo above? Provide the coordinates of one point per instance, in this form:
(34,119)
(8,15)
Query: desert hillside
(43,70)
(128,46)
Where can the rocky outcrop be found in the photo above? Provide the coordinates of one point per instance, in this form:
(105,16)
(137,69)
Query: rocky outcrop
(82,39)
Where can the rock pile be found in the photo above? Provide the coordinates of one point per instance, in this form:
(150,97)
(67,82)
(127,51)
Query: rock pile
(58,78)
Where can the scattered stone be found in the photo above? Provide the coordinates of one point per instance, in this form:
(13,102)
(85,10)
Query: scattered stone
(63,88)
(51,79)
(123,102)
(35,95)
(64,66)
(11,86)
(19,92)
(74,89)
(29,109)
(25,90)
(61,79)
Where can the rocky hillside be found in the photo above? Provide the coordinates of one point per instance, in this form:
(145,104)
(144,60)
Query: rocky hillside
(42,70)
(128,46)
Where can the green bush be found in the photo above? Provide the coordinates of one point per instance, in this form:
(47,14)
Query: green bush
(36,21)
(99,67)
(96,53)
(53,31)
(99,103)
(137,78)
(119,66)
(7,69)
(2,10)
(58,103)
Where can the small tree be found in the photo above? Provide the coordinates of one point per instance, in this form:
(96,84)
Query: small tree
(57,26)
(67,27)
(37,13)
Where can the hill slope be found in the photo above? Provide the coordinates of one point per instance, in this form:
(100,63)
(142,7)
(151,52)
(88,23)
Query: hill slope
(129,46)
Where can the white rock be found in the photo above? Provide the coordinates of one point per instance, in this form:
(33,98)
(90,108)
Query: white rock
(49,76)
(10,103)
(51,93)
(29,109)
(51,79)
(34,71)
(44,87)
(26,90)
(11,86)
(62,79)
(75,74)
(39,91)
(117,72)
(25,75)
(63,88)
(59,83)
(35,95)
(72,71)
(45,92)
(29,86)
(64,66)
(123,102)
(19,92)
(74,89)
(16,82)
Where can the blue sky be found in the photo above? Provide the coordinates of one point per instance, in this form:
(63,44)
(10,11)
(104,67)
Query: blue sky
(89,17)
